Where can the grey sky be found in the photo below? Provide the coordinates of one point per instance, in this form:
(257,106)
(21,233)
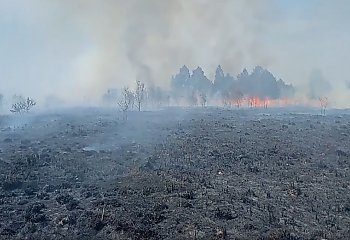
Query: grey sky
(76,49)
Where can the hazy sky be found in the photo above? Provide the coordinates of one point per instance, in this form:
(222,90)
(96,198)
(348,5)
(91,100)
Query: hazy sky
(76,49)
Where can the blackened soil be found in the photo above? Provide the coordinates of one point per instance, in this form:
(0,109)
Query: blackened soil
(175,174)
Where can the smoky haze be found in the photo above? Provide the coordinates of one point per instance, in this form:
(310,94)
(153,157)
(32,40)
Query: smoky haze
(74,51)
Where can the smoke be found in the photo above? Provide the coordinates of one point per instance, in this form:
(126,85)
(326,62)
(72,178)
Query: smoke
(76,50)
(318,86)
(88,46)
(149,40)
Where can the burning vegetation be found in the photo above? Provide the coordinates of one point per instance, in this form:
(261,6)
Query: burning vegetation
(260,85)
(258,89)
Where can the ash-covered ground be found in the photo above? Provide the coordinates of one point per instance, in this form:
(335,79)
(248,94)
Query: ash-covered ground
(175,174)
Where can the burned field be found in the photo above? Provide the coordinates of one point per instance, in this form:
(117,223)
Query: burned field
(175,174)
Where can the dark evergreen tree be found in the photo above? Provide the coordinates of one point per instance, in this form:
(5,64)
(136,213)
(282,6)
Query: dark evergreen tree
(199,82)
(222,82)
(219,76)
(180,81)
(261,83)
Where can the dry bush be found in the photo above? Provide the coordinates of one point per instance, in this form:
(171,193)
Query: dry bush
(203,99)
(126,102)
(324,104)
(23,105)
(139,93)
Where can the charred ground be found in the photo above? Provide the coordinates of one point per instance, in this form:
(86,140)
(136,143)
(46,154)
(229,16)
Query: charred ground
(175,174)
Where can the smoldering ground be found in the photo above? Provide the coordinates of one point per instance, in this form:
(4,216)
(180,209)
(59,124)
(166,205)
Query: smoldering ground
(203,173)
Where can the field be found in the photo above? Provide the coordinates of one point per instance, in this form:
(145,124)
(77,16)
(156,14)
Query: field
(203,173)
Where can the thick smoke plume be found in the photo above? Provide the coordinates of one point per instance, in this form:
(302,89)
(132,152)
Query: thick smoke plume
(112,43)
(76,50)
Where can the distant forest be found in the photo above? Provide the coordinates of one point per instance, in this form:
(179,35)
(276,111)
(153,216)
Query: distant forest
(195,88)
(260,83)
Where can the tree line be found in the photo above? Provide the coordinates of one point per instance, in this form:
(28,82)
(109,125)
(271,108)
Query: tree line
(195,88)
(260,83)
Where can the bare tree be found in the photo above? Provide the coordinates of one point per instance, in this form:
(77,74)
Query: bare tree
(139,93)
(203,99)
(266,102)
(238,99)
(22,105)
(250,101)
(323,103)
(125,102)
(226,98)
(131,97)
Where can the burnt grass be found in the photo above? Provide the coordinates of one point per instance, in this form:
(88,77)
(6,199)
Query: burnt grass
(175,174)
